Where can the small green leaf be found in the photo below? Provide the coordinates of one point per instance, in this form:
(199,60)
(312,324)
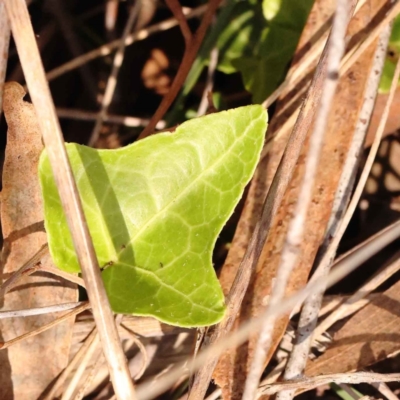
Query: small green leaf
(154,210)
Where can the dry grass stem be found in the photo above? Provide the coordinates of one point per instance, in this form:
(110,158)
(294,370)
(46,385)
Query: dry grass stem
(71,366)
(309,314)
(31,266)
(135,340)
(132,122)
(39,90)
(212,66)
(62,274)
(40,310)
(357,50)
(293,241)
(309,383)
(113,78)
(91,349)
(43,328)
(4,44)
(107,49)
(176,9)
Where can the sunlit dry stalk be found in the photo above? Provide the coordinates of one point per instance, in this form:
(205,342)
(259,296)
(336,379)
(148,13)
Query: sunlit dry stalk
(51,132)
(62,274)
(294,238)
(5,32)
(132,122)
(31,266)
(40,310)
(43,328)
(113,78)
(309,314)
(84,361)
(70,367)
(308,383)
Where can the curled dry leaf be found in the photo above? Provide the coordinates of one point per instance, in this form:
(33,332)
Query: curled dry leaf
(233,367)
(29,367)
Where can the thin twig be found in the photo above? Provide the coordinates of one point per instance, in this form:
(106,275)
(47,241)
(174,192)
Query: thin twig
(5,32)
(32,265)
(73,363)
(294,238)
(68,393)
(107,49)
(40,310)
(39,90)
(309,383)
(44,328)
(132,122)
(113,78)
(135,340)
(62,274)
(184,68)
(212,66)
(176,9)
(309,314)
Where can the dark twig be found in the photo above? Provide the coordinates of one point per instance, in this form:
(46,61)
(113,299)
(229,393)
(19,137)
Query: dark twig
(176,9)
(184,68)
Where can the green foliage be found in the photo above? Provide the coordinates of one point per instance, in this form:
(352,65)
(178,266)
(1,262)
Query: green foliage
(260,41)
(393,54)
(155,209)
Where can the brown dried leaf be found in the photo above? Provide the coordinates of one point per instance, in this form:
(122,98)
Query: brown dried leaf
(371,335)
(232,368)
(29,367)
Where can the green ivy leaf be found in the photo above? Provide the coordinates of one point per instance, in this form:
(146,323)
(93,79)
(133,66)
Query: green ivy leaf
(154,210)
(391,59)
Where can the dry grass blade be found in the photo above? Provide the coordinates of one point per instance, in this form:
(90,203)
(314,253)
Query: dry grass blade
(336,48)
(34,73)
(309,315)
(315,381)
(4,43)
(115,119)
(40,310)
(44,328)
(77,358)
(30,266)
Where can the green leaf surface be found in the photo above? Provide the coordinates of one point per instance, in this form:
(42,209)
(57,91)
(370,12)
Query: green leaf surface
(392,55)
(154,210)
(265,69)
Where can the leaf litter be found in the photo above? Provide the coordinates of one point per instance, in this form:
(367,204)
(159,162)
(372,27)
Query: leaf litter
(29,366)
